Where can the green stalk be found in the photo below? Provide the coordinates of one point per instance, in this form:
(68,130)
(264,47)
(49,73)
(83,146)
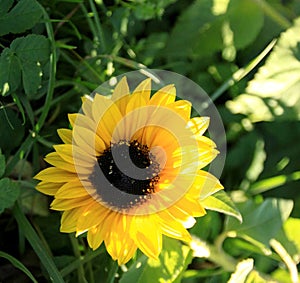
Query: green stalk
(98,25)
(80,261)
(273,14)
(112,273)
(76,251)
(51,84)
(242,72)
(18,264)
(37,245)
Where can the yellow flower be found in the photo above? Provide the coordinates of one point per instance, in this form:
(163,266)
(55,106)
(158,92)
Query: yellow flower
(129,171)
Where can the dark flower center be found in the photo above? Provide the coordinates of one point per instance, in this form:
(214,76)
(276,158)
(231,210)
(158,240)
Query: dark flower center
(131,169)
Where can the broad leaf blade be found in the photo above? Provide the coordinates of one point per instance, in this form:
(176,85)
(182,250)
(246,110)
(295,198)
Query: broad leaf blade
(10,72)
(172,262)
(274,91)
(221,202)
(2,164)
(21,18)
(271,214)
(9,192)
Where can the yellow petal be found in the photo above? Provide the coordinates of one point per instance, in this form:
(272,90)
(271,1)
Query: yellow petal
(118,242)
(72,118)
(198,125)
(182,107)
(121,89)
(87,107)
(48,188)
(191,206)
(136,101)
(71,190)
(173,228)
(94,237)
(55,175)
(66,204)
(69,219)
(93,216)
(107,115)
(82,121)
(144,89)
(207,184)
(147,235)
(88,141)
(65,135)
(54,159)
(73,154)
(164,96)
(121,95)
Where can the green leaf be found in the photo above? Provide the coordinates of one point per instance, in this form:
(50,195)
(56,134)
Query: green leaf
(172,262)
(10,72)
(274,91)
(221,202)
(31,77)
(269,216)
(20,18)
(243,268)
(12,129)
(9,192)
(16,263)
(32,48)
(292,230)
(255,277)
(25,58)
(5,5)
(37,245)
(2,164)
(282,276)
(208,26)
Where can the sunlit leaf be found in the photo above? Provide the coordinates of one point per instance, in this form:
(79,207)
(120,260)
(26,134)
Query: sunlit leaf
(221,202)
(255,277)
(274,91)
(292,230)
(270,214)
(208,26)
(172,262)
(242,270)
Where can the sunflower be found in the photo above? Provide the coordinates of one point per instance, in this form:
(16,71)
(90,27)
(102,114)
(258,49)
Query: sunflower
(130,170)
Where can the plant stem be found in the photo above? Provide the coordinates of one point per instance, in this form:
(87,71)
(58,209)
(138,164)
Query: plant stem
(273,14)
(242,72)
(291,265)
(80,271)
(37,245)
(51,84)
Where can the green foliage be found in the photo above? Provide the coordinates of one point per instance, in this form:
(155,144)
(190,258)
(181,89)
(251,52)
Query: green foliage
(273,93)
(24,61)
(221,202)
(245,54)
(270,214)
(172,262)
(9,192)
(23,16)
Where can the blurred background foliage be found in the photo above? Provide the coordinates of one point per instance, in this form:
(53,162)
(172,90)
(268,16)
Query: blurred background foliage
(244,53)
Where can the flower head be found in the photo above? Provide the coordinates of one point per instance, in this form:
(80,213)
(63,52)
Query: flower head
(130,170)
